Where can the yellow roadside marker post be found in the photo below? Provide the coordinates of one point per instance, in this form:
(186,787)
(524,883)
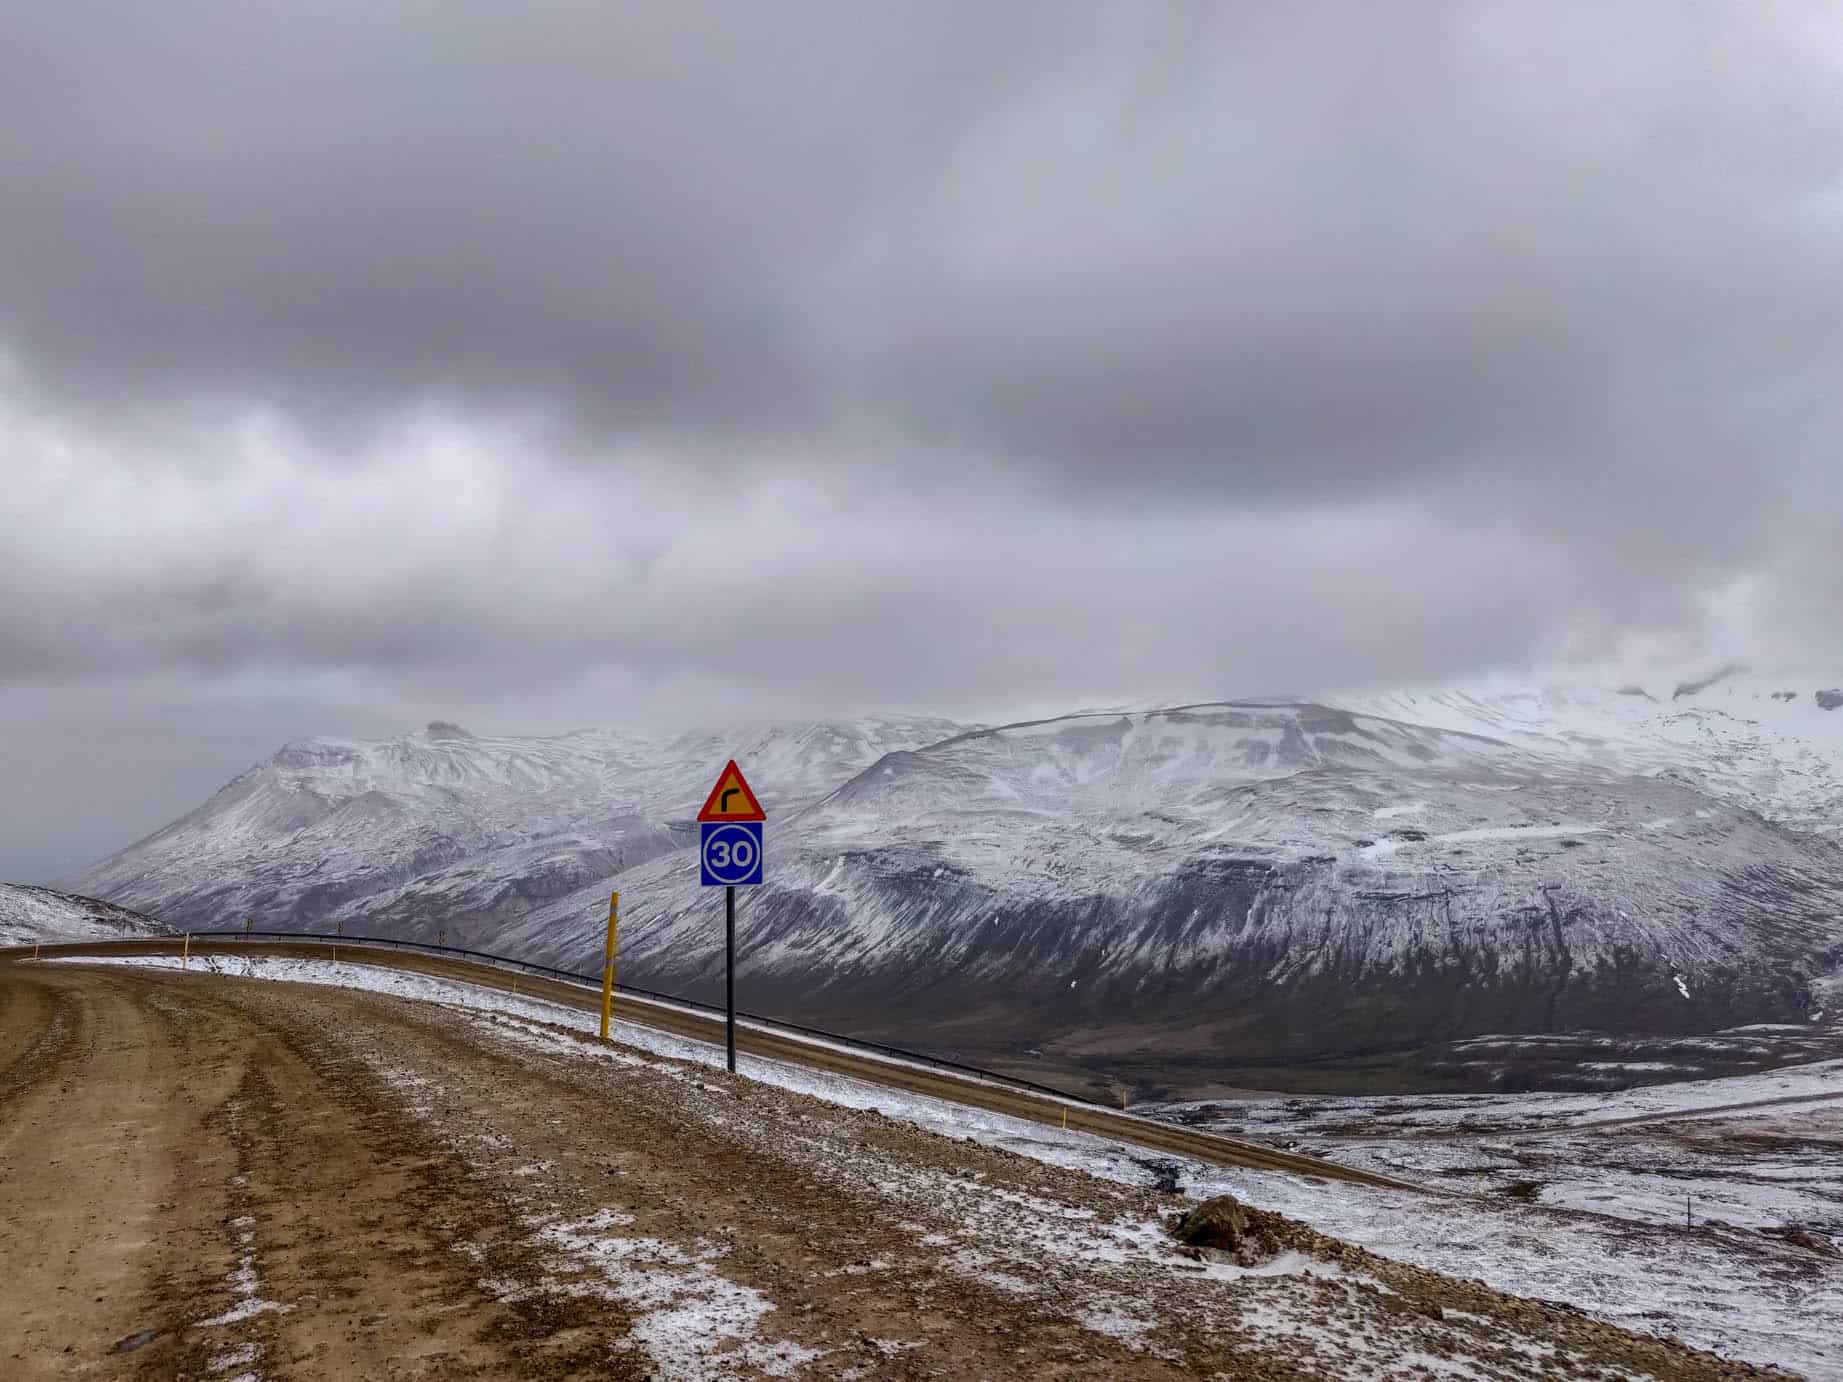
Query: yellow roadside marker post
(35,950)
(185,952)
(614,926)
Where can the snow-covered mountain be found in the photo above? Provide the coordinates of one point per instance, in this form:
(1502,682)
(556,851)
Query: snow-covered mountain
(1237,884)
(1773,744)
(33,915)
(441,830)
(1280,880)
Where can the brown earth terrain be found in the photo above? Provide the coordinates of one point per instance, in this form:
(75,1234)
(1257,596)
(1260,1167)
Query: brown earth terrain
(209,1177)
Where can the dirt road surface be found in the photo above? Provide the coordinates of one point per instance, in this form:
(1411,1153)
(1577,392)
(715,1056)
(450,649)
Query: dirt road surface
(216,1178)
(772,1043)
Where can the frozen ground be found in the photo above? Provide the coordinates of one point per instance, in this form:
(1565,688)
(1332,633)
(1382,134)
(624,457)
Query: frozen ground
(1594,1234)
(1724,1195)
(1601,1063)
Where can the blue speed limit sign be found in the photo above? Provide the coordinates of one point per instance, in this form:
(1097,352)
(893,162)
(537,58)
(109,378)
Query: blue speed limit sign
(730,853)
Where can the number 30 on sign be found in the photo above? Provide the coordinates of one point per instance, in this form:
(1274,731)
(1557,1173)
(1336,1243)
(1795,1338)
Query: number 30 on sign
(731,854)
(730,833)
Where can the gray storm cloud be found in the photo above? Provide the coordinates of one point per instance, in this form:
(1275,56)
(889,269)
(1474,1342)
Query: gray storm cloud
(565,363)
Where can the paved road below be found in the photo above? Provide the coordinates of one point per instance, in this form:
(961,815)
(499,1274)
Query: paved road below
(209,1177)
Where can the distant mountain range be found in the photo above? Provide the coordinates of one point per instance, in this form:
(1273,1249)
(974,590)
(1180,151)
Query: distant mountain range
(1234,890)
(444,831)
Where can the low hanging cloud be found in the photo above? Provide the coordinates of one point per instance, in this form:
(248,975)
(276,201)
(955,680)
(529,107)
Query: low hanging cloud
(581,363)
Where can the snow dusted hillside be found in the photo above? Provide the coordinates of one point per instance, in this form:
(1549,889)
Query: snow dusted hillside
(443,830)
(1253,887)
(1277,881)
(1773,744)
(32,915)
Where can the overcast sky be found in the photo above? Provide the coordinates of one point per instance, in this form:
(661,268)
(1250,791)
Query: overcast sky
(550,364)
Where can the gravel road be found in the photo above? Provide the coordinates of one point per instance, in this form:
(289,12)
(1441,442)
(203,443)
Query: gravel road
(209,1177)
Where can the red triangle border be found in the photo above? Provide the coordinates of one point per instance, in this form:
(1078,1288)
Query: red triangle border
(754,813)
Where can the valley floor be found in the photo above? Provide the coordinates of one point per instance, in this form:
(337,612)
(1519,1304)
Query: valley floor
(214,1177)
(1712,1209)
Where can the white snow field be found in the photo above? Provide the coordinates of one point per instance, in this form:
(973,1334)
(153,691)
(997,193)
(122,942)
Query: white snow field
(1731,1184)
(1726,1287)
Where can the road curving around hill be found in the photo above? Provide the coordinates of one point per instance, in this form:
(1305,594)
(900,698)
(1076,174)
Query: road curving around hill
(992,1095)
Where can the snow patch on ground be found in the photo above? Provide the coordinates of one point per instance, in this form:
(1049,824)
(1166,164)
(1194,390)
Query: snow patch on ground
(1270,1322)
(692,1322)
(247,1284)
(237,1357)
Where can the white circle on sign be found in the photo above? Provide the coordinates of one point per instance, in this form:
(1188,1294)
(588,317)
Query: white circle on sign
(730,852)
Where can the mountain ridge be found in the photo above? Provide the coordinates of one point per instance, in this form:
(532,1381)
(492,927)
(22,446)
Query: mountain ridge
(399,830)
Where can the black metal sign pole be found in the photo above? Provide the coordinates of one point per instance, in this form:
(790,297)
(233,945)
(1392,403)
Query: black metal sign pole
(729,973)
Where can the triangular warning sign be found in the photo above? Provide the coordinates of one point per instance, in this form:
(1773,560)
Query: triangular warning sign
(731,799)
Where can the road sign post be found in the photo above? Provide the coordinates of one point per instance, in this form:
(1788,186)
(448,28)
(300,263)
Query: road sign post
(729,976)
(730,857)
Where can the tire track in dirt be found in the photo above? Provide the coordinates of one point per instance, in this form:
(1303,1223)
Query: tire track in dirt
(372,1240)
(108,1193)
(40,1027)
(838,1273)
(195,1200)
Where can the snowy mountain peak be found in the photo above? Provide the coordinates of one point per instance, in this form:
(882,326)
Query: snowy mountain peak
(417,829)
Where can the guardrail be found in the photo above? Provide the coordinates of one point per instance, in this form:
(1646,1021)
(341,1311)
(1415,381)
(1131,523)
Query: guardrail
(507,962)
